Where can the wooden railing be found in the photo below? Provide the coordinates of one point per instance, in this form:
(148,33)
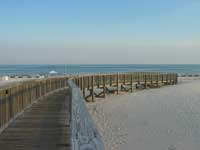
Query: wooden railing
(84,132)
(103,81)
(15,98)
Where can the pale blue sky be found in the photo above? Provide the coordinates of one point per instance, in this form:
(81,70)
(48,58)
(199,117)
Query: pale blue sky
(84,31)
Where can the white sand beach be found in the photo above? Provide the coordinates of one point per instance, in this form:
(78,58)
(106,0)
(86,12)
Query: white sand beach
(155,119)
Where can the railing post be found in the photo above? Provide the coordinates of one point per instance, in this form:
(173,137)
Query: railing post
(11,104)
(49,85)
(138,76)
(166,79)
(4,107)
(170,78)
(78,82)
(70,105)
(174,78)
(5,96)
(83,86)
(124,79)
(92,89)
(151,78)
(131,82)
(22,97)
(88,84)
(157,80)
(1,108)
(110,80)
(104,86)
(81,83)
(40,88)
(98,81)
(145,81)
(7,105)
(117,83)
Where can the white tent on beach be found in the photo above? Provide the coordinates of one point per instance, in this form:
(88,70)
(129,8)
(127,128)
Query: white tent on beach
(53,72)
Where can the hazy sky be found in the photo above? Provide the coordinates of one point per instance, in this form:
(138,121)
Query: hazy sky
(99,31)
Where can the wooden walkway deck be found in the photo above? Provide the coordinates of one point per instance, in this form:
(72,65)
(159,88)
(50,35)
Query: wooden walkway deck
(45,126)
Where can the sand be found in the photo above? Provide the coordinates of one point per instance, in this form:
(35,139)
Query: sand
(155,119)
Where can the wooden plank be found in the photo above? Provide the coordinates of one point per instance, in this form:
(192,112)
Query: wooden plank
(124,79)
(104,85)
(157,80)
(117,83)
(138,78)
(1,110)
(131,82)
(88,83)
(44,126)
(98,81)
(92,82)
(145,81)
(110,80)
(83,86)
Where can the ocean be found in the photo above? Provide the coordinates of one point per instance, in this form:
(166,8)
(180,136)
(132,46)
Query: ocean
(186,69)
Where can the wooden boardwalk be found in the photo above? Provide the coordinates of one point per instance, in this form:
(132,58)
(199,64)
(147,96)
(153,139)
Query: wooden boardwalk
(45,126)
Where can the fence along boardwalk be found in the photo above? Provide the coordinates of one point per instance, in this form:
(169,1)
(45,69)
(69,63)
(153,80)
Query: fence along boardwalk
(98,85)
(15,98)
(45,126)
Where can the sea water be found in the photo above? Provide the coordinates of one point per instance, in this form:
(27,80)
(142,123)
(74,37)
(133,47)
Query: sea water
(187,69)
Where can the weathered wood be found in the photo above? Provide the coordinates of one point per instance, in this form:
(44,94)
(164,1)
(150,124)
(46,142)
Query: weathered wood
(167,79)
(110,80)
(131,83)
(44,126)
(124,79)
(98,81)
(151,79)
(84,134)
(117,83)
(157,80)
(145,81)
(92,90)
(15,99)
(162,80)
(104,85)
(170,79)
(88,84)
(83,86)
(81,83)
(138,79)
